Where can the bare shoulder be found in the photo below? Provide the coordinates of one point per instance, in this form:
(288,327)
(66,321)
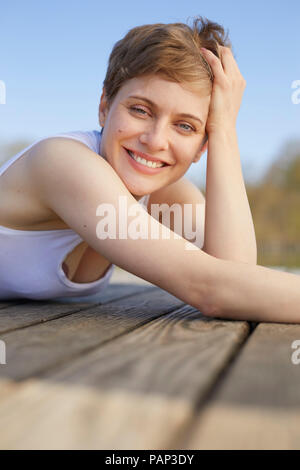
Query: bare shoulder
(182,191)
(21,204)
(70,178)
(51,150)
(56,162)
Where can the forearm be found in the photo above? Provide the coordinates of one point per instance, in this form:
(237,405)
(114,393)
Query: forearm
(229,229)
(242,291)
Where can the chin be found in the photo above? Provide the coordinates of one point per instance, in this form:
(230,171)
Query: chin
(140,191)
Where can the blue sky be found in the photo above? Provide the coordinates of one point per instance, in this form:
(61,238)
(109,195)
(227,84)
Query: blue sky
(54,57)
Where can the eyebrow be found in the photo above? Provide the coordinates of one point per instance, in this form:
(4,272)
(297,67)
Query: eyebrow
(155,106)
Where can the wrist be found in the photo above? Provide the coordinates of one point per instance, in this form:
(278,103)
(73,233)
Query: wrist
(222,133)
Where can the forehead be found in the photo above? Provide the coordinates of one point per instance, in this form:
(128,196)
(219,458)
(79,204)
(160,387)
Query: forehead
(165,93)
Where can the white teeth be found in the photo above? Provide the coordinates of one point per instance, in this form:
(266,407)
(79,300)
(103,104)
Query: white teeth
(145,162)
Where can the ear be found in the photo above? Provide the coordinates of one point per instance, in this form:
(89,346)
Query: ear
(103,108)
(203,149)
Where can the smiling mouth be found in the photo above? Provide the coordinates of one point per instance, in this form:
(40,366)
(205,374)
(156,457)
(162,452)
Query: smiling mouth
(146,163)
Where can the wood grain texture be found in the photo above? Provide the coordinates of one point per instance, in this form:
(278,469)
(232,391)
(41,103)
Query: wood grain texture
(257,405)
(32,350)
(11,303)
(136,391)
(53,416)
(27,313)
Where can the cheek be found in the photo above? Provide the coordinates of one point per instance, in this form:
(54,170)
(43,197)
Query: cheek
(186,157)
(121,119)
(121,126)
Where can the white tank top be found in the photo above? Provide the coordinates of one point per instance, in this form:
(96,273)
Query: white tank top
(31,261)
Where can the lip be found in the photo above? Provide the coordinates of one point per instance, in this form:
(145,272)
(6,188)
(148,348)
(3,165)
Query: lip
(142,168)
(146,157)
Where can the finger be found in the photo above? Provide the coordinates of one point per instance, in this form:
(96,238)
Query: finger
(214,62)
(228,61)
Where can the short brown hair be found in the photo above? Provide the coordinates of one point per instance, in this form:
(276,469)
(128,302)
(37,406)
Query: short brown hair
(171,50)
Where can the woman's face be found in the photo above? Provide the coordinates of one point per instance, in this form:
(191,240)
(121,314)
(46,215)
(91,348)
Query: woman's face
(156,120)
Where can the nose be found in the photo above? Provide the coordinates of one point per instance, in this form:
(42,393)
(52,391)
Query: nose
(155,137)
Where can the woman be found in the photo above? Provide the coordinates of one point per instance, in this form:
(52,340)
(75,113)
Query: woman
(165,100)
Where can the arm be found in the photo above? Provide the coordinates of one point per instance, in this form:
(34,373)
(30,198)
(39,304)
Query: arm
(229,229)
(255,293)
(72,181)
(238,290)
(186,194)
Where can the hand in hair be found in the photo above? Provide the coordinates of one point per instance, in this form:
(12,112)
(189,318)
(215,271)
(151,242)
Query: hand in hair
(227,92)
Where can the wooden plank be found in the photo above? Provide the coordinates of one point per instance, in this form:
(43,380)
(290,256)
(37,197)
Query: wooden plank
(27,313)
(29,351)
(257,404)
(91,419)
(11,303)
(138,391)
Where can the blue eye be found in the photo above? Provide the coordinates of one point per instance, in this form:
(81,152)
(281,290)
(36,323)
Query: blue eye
(190,128)
(141,111)
(134,108)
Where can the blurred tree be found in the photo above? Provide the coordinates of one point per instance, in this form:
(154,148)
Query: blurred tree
(289,153)
(275,206)
(291,180)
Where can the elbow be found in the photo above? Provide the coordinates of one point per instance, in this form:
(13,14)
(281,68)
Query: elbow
(219,295)
(205,296)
